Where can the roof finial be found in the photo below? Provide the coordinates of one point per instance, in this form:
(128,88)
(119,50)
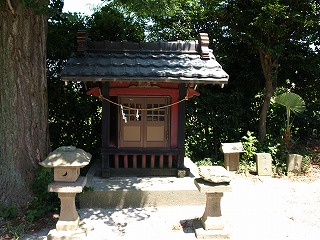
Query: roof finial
(204,45)
(81,40)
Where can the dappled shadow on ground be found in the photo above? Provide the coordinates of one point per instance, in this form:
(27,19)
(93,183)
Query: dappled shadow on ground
(117,220)
(128,183)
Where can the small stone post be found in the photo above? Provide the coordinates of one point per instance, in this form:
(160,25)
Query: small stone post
(231,153)
(214,182)
(294,162)
(264,164)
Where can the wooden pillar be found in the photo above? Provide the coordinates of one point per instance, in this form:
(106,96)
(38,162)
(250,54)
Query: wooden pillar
(170,161)
(161,161)
(116,161)
(181,124)
(152,161)
(144,161)
(125,161)
(134,160)
(105,130)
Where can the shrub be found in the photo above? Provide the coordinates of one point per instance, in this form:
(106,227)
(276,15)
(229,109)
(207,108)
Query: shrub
(43,201)
(249,143)
(210,162)
(8,212)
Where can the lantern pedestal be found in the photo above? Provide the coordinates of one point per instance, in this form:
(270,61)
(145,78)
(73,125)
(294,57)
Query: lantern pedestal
(212,224)
(67,225)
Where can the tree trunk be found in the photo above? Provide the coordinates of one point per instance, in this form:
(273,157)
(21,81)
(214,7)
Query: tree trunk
(270,70)
(209,139)
(264,110)
(23,99)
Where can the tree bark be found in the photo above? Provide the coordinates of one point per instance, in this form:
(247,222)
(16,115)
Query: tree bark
(270,70)
(23,99)
(264,110)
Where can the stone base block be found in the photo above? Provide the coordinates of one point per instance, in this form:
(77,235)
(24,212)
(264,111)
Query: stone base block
(67,225)
(201,233)
(79,234)
(181,173)
(213,223)
(231,161)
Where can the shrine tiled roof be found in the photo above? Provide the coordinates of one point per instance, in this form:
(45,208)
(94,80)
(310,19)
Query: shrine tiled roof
(189,62)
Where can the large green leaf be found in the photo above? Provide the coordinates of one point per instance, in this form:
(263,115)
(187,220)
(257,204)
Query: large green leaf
(291,101)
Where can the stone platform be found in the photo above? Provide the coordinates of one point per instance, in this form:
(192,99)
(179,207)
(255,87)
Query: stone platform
(136,192)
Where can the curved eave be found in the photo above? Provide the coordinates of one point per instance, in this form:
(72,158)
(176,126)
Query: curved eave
(219,80)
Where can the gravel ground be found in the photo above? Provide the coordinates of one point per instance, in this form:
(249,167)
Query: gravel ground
(261,208)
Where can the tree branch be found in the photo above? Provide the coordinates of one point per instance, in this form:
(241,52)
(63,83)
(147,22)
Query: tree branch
(10,7)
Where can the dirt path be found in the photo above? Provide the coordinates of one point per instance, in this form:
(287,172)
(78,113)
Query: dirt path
(271,208)
(261,208)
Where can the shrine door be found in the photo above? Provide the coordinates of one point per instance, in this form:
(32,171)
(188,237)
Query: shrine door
(144,128)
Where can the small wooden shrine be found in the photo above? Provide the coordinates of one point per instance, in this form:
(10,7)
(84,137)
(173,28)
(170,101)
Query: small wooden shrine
(143,88)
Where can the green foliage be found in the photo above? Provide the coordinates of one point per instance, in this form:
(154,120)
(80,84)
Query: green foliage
(210,162)
(73,116)
(306,163)
(183,23)
(279,168)
(247,163)
(267,24)
(12,231)
(293,103)
(113,22)
(43,201)
(249,143)
(309,154)
(272,144)
(247,167)
(216,116)
(267,28)
(87,189)
(148,8)
(76,120)
(205,162)
(9,211)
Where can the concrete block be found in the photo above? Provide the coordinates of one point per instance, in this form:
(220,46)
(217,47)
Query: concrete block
(201,233)
(294,163)
(264,164)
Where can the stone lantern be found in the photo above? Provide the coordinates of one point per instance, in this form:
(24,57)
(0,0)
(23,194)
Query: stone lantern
(214,181)
(67,161)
